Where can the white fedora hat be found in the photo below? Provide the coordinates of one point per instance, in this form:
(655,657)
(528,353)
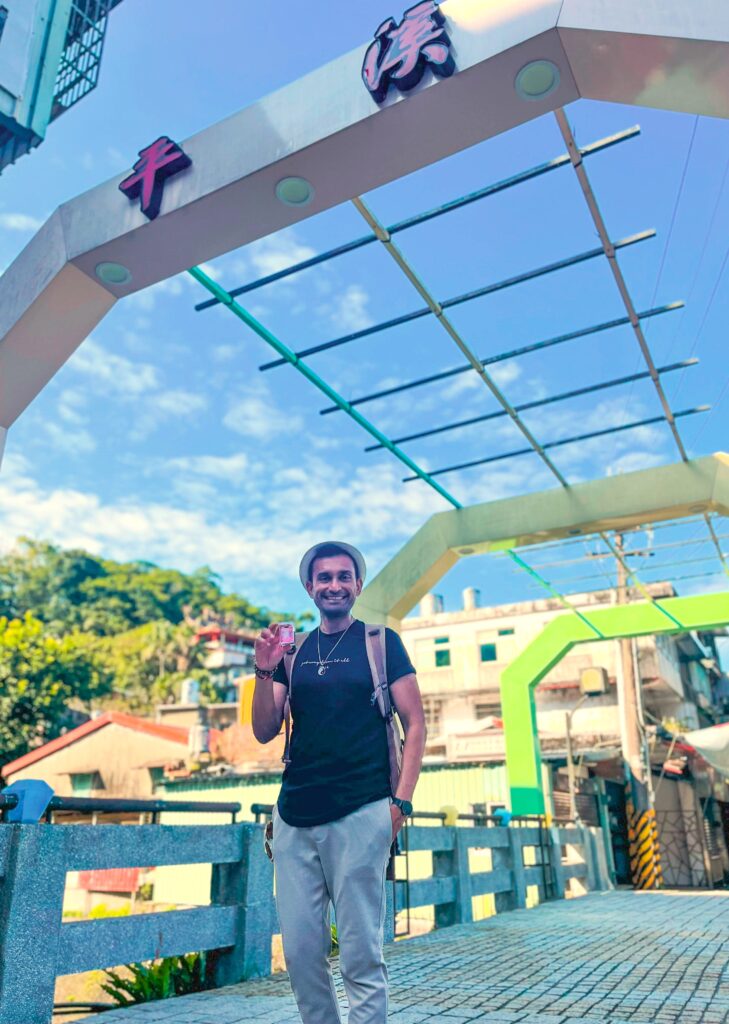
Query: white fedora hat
(356,556)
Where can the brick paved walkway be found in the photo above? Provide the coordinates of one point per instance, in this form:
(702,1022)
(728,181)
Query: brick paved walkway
(646,958)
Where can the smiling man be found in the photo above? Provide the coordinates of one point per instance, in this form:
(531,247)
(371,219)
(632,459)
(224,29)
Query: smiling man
(336,815)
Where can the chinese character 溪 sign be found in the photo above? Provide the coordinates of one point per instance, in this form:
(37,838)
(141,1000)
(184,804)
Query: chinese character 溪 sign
(400,53)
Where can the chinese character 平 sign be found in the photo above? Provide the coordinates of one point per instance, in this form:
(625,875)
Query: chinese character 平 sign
(155,165)
(400,53)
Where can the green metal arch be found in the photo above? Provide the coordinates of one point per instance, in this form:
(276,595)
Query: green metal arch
(523,758)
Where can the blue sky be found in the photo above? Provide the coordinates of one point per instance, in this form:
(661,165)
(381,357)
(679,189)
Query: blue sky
(161,440)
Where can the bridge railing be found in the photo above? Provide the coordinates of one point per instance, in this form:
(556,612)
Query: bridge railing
(238,925)
(555,862)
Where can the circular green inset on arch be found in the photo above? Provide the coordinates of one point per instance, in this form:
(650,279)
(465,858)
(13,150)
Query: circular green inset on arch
(294,191)
(113,273)
(537,79)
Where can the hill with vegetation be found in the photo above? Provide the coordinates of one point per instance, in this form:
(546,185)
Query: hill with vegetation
(80,633)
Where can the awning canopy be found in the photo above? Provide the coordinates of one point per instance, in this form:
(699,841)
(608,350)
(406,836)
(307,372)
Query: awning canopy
(713,745)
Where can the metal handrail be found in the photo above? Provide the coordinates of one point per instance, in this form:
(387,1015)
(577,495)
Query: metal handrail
(100,805)
(265,810)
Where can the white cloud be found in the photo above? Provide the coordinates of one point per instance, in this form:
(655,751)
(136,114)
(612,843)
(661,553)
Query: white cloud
(70,403)
(269,255)
(146,299)
(630,462)
(347,310)
(111,373)
(224,353)
(504,374)
(219,467)
(137,384)
(19,222)
(178,402)
(16,466)
(261,541)
(254,413)
(157,407)
(69,440)
(210,270)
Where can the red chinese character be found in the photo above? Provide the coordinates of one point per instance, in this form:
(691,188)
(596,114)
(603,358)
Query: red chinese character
(156,163)
(400,53)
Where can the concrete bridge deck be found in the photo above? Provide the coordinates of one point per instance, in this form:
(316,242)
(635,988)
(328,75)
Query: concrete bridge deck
(643,958)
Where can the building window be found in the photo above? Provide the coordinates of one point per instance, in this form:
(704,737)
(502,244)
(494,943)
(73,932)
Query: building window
(506,632)
(83,783)
(486,710)
(442,656)
(432,709)
(156,775)
(488,652)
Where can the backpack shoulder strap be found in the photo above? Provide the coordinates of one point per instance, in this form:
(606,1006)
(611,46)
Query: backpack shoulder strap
(289,659)
(377,657)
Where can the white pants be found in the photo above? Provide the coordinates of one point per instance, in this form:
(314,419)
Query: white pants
(344,863)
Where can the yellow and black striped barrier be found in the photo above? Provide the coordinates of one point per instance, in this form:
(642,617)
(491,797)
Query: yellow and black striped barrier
(645,855)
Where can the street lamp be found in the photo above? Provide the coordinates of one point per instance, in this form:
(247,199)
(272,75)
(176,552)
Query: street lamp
(593,683)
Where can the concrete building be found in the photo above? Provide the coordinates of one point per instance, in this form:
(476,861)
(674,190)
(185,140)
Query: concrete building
(460,655)
(230,658)
(50,57)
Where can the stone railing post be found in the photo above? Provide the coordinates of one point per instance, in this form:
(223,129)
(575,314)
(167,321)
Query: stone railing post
(555,858)
(247,884)
(511,857)
(444,867)
(31,911)
(454,864)
(462,874)
(588,855)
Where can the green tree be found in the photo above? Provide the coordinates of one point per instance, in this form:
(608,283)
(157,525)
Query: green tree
(42,678)
(72,589)
(47,581)
(149,663)
(139,620)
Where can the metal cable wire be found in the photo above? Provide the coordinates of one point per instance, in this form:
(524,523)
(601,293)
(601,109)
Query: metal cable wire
(666,247)
(599,222)
(700,261)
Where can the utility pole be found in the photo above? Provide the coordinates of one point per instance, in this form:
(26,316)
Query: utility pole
(645,860)
(571,776)
(632,738)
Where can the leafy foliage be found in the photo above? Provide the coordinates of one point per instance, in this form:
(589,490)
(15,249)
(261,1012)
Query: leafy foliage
(160,979)
(41,678)
(74,589)
(77,631)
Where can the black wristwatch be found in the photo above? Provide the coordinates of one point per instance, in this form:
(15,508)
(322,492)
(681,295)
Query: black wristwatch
(405,806)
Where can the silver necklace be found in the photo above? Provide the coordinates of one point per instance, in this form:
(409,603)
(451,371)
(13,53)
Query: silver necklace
(323,663)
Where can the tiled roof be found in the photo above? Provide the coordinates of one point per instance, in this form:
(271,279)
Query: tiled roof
(171,733)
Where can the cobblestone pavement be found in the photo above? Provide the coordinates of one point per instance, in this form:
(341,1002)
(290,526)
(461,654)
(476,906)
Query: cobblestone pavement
(646,958)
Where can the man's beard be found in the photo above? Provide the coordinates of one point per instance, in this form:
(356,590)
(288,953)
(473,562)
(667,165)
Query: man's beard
(336,609)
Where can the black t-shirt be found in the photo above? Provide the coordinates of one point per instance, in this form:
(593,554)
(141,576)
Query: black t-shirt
(339,757)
